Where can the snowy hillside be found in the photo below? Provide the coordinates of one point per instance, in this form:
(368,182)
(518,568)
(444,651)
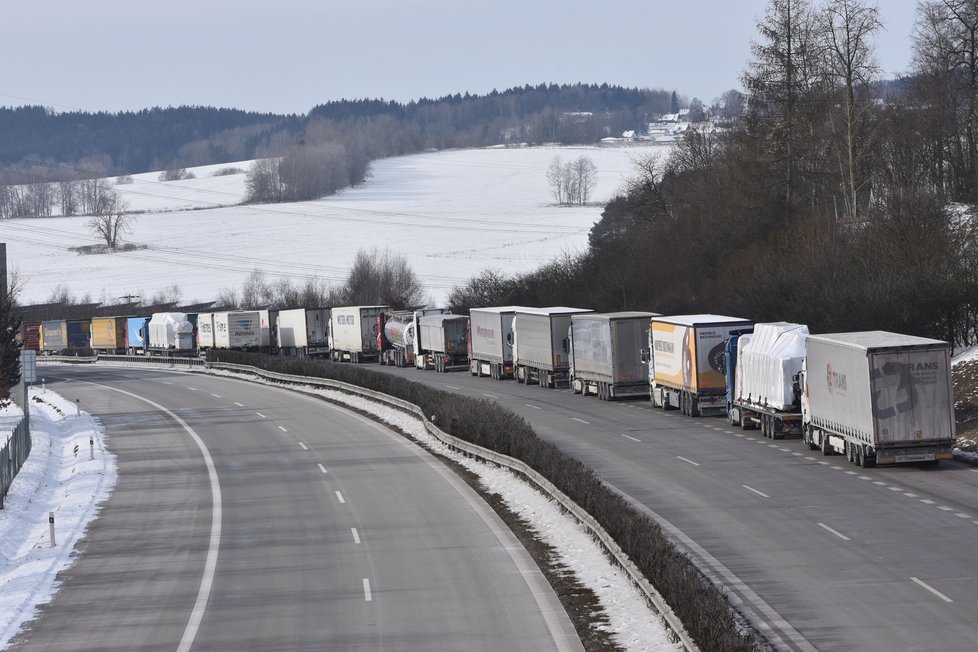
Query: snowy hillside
(452,214)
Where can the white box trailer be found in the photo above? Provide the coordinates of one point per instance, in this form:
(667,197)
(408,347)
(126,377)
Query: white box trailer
(268,320)
(686,362)
(237,330)
(606,354)
(205,331)
(443,343)
(303,332)
(878,397)
(541,348)
(353,333)
(491,341)
(762,367)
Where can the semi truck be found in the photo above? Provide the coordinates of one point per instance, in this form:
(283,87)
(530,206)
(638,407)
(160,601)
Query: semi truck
(491,341)
(762,366)
(397,334)
(170,333)
(686,362)
(353,333)
(30,335)
(878,397)
(606,354)
(59,335)
(136,335)
(442,342)
(541,348)
(303,333)
(109,334)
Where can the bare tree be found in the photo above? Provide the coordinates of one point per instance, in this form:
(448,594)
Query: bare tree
(256,292)
(555,177)
(110,219)
(584,175)
(848,29)
(382,278)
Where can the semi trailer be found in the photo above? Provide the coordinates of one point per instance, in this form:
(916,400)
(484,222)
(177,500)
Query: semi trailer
(541,348)
(606,354)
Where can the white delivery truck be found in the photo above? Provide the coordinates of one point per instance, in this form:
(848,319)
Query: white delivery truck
(686,362)
(303,332)
(171,333)
(541,348)
(606,354)
(878,397)
(491,341)
(353,333)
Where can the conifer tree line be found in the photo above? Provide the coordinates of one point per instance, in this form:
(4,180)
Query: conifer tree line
(835,200)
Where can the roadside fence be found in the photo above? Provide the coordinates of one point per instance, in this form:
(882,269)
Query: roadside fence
(13,455)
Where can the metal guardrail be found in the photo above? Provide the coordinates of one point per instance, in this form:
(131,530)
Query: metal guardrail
(158,360)
(13,455)
(588,521)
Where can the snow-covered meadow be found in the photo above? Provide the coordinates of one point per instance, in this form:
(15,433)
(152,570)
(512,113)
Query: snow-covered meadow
(452,214)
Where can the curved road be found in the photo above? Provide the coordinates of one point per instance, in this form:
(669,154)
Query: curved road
(818,553)
(333,533)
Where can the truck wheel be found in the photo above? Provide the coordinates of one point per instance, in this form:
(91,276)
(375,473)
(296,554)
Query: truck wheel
(694,406)
(826,449)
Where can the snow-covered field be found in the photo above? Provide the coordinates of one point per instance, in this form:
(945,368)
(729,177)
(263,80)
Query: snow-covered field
(58,477)
(451,213)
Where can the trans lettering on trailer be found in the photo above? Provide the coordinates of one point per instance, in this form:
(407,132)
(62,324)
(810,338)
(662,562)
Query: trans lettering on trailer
(836,381)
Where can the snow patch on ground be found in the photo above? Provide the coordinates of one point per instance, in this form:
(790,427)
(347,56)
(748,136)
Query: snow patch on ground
(632,623)
(57,477)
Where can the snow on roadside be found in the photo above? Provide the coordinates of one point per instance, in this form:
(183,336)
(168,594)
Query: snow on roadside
(57,477)
(633,624)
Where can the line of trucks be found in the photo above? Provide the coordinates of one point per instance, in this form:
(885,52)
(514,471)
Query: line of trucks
(876,397)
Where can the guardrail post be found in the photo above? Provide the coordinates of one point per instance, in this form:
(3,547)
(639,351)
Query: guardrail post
(51,527)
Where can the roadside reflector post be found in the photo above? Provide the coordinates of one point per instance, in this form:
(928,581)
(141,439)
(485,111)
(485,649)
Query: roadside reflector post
(51,526)
(91,448)
(77,407)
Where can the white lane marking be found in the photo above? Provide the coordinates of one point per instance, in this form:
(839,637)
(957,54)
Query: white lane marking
(945,508)
(785,450)
(356,535)
(688,461)
(729,432)
(366,590)
(632,438)
(835,532)
(809,458)
(931,589)
(851,473)
(962,515)
(303,446)
(261,415)
(535,407)
(797,454)
(881,484)
(192,389)
(282,429)
(321,468)
(753,490)
(586,423)
(239,404)
(824,463)
(452,387)
(753,439)
(865,477)
(895,488)
(215,395)
(339,497)
(910,494)
(836,468)
(214,543)
(772,445)
(926,502)
(491,395)
(740,435)
(166,382)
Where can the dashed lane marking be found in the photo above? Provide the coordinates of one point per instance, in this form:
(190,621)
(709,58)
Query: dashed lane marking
(753,490)
(339,497)
(366,590)
(322,468)
(688,461)
(356,535)
(833,531)
(931,589)
(303,446)
(632,438)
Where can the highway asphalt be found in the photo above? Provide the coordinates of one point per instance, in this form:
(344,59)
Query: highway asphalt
(252,518)
(818,553)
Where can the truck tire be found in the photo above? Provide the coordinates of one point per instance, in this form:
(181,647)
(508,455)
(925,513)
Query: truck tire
(826,449)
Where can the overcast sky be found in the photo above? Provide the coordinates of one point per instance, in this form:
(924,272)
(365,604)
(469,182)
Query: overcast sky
(286,56)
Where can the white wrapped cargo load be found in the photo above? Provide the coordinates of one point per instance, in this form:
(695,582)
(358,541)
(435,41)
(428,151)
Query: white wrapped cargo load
(171,330)
(767,361)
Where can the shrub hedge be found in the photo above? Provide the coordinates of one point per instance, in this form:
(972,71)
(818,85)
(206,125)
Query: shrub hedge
(701,606)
